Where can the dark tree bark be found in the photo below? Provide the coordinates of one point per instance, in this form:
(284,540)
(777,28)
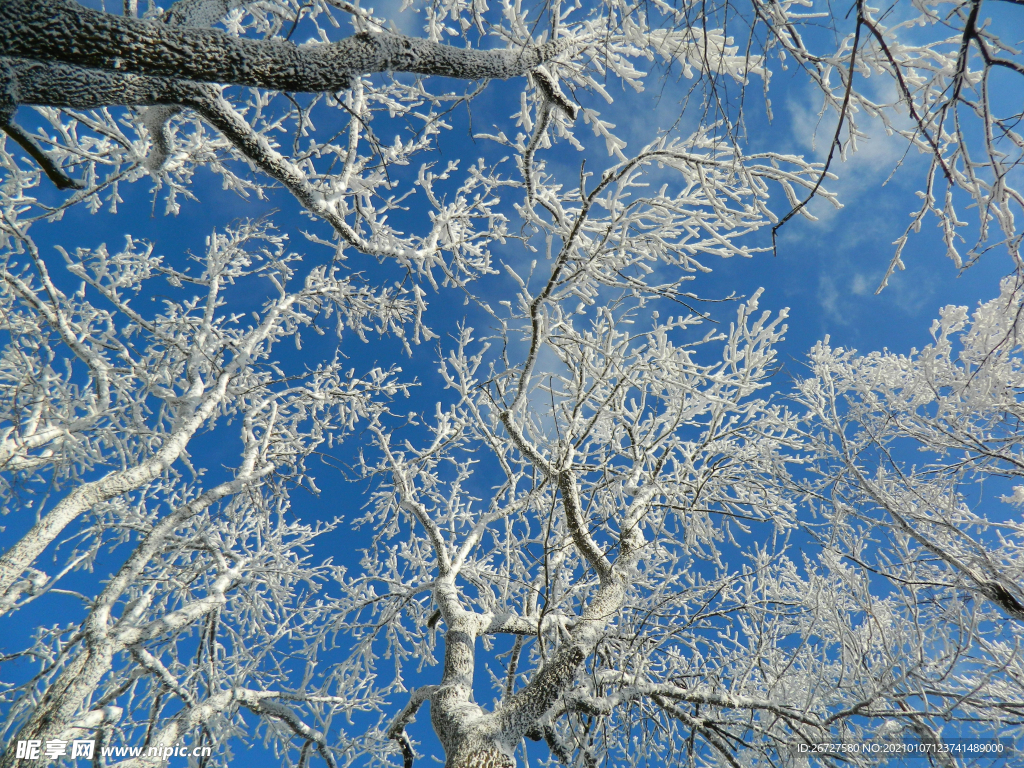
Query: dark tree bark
(58,53)
(63,31)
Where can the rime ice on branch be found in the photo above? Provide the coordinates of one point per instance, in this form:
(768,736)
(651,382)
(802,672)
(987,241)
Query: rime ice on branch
(629,551)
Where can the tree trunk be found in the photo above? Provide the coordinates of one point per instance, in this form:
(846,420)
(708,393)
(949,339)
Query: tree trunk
(62,701)
(481,757)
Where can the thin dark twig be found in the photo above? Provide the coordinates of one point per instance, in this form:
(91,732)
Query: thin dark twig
(839,128)
(298,17)
(910,101)
(60,179)
(372,141)
(408,756)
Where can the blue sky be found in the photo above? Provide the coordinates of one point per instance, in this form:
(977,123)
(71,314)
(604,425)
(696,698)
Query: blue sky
(825,272)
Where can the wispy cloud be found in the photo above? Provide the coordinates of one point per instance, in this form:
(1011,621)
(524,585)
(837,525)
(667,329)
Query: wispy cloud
(860,285)
(880,161)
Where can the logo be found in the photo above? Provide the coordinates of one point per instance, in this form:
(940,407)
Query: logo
(33,749)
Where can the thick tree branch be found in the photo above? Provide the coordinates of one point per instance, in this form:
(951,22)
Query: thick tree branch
(63,85)
(396,730)
(581,537)
(61,30)
(525,709)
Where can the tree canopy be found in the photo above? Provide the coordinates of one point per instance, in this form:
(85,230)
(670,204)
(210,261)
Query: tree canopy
(587,520)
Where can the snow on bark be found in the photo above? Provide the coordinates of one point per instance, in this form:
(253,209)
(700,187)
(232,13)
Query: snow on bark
(200,365)
(598,516)
(64,31)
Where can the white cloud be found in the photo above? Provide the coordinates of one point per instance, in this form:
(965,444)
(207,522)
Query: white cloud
(828,298)
(880,160)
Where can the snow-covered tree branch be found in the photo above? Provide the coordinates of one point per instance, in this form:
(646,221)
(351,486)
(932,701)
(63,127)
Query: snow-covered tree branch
(954,407)
(174,64)
(153,382)
(604,527)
